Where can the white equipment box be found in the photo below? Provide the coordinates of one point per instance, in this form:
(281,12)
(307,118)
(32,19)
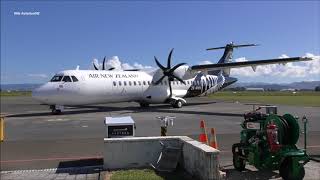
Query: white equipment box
(118,127)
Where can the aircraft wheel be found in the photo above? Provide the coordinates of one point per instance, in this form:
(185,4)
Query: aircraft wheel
(56,111)
(144,104)
(177,104)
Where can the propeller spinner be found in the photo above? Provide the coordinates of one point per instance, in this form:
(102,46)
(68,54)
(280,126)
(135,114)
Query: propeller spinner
(169,72)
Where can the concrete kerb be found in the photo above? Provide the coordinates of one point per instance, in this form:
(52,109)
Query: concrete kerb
(199,160)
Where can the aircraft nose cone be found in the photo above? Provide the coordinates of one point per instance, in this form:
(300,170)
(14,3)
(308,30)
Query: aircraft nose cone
(39,94)
(36,94)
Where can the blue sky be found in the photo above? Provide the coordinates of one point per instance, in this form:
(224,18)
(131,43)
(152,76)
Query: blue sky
(71,33)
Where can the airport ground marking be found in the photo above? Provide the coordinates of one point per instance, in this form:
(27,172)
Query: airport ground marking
(58,120)
(52,159)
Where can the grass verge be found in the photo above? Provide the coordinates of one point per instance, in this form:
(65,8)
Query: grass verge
(15,93)
(284,98)
(146,174)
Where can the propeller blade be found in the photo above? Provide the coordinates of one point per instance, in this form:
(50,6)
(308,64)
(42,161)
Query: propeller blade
(94,65)
(103,64)
(169,59)
(170,88)
(176,66)
(179,79)
(158,82)
(159,65)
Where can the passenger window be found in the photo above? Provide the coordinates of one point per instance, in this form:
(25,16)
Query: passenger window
(130,83)
(124,83)
(144,83)
(139,83)
(74,79)
(119,83)
(149,83)
(66,79)
(114,83)
(56,79)
(134,83)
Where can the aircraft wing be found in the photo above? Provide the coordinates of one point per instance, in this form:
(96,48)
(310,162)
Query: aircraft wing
(253,64)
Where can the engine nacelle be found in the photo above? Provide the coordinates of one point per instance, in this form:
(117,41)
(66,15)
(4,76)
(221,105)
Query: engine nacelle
(182,72)
(156,94)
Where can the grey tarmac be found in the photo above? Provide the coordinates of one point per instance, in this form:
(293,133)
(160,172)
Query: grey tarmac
(35,139)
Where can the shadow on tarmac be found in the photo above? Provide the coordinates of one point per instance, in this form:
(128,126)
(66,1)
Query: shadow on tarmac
(83,166)
(315,158)
(134,109)
(233,174)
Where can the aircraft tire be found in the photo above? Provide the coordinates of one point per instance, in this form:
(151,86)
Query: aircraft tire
(177,104)
(144,105)
(56,111)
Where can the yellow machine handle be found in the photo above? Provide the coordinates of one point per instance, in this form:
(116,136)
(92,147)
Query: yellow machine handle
(1,129)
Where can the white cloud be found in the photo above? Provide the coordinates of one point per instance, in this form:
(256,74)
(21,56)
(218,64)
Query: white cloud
(305,69)
(38,75)
(205,62)
(115,62)
(283,56)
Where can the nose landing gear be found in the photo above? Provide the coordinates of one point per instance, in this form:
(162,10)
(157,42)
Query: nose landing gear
(56,109)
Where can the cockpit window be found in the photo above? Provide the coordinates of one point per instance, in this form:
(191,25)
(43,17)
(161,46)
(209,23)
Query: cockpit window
(74,79)
(66,79)
(56,79)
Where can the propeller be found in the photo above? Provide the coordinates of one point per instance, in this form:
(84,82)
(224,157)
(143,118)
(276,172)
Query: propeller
(169,72)
(103,65)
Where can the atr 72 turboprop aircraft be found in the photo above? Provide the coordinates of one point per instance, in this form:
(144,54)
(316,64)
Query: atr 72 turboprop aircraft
(166,85)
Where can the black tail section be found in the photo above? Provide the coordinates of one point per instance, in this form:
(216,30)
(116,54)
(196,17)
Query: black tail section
(227,55)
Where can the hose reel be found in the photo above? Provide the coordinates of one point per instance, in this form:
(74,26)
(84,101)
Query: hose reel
(288,128)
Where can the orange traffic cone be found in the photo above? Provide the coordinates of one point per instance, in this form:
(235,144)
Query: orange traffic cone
(203,135)
(213,139)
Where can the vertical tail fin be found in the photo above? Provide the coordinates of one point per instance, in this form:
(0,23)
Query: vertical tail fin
(227,55)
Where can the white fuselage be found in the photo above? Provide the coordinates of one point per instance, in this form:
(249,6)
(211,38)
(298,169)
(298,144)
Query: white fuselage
(94,87)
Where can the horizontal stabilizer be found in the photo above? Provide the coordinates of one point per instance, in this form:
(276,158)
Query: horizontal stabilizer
(231,45)
(249,63)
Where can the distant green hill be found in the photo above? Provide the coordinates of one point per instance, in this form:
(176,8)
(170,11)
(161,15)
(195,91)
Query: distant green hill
(19,87)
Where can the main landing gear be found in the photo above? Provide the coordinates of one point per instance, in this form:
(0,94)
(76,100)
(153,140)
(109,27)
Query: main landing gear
(144,104)
(177,103)
(56,109)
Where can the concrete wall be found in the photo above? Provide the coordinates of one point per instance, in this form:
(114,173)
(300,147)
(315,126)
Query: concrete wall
(197,159)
